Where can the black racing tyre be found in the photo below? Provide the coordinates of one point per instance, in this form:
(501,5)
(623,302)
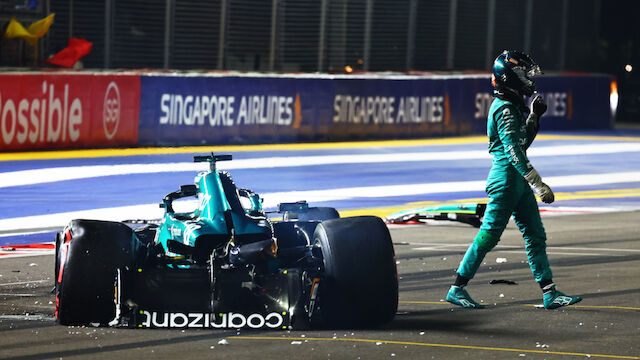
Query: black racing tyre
(88,254)
(361,285)
(318,214)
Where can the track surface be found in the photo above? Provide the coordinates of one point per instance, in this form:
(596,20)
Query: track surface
(595,254)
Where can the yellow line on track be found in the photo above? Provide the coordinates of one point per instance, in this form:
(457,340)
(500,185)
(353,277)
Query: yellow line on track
(529,305)
(384,211)
(599,307)
(93,153)
(468,347)
(587,137)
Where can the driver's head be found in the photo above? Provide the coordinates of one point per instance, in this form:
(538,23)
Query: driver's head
(512,73)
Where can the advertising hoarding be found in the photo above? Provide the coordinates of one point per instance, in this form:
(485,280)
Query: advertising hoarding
(52,111)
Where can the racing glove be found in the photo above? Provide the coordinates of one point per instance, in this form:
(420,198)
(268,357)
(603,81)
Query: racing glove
(538,107)
(545,192)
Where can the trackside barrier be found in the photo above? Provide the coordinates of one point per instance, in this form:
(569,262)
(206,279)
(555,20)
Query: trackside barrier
(68,110)
(180,110)
(80,110)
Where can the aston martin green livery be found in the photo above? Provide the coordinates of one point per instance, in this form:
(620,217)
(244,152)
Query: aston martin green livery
(227,264)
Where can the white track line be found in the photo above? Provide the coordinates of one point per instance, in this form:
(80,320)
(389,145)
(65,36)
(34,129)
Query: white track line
(272,199)
(12,255)
(36,317)
(24,282)
(47,175)
(21,233)
(152,211)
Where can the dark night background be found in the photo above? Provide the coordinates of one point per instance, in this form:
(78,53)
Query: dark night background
(599,36)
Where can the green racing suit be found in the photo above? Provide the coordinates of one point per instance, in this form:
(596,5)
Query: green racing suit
(509,193)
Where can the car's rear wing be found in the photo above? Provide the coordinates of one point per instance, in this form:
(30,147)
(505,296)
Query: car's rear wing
(212,159)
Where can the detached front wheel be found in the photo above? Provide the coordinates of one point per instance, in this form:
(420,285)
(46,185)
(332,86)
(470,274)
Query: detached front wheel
(361,284)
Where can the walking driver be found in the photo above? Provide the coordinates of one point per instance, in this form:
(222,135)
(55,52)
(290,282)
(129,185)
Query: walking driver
(510,178)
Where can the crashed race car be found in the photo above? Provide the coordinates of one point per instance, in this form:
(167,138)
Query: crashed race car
(227,264)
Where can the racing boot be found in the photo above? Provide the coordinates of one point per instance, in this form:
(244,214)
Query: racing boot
(553,299)
(457,295)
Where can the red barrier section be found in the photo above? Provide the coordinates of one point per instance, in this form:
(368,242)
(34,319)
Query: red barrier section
(44,111)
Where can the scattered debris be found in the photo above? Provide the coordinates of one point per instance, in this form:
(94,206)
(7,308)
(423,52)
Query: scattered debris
(503,281)
(296,343)
(223,342)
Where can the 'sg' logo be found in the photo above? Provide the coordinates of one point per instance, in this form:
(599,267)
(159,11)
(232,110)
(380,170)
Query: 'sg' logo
(111,110)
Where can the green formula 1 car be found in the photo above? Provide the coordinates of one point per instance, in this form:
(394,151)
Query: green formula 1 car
(227,264)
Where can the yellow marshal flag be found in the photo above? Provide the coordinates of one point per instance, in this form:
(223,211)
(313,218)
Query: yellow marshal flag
(31,34)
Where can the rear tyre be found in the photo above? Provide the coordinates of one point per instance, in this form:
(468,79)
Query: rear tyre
(88,254)
(361,284)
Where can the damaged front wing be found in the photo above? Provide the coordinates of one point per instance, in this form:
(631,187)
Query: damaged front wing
(465,213)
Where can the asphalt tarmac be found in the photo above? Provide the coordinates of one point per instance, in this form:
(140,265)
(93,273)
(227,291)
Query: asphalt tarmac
(596,256)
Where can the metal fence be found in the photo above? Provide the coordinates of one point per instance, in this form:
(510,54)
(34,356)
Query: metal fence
(323,35)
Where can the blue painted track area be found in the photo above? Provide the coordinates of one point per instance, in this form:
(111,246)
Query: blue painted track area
(587,171)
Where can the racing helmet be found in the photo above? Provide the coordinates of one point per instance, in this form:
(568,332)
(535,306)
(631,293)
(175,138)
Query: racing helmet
(512,72)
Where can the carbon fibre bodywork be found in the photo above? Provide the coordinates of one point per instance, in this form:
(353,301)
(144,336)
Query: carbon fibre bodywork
(226,264)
